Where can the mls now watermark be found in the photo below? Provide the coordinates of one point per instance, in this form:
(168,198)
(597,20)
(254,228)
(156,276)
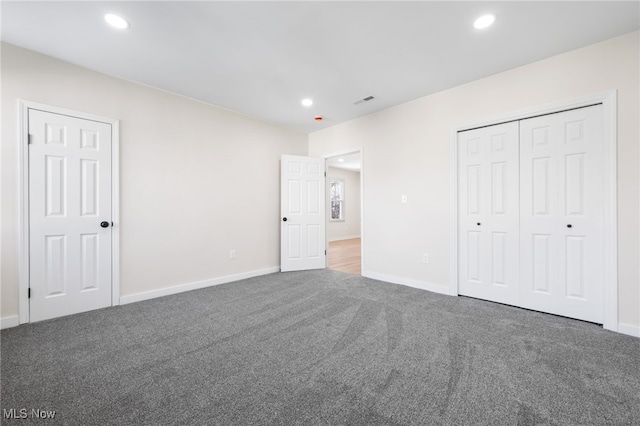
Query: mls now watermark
(27,413)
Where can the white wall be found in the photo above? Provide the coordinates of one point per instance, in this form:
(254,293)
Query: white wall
(350,226)
(196,180)
(408,147)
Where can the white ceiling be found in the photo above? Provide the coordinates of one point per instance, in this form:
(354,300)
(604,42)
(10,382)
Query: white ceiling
(351,162)
(262,58)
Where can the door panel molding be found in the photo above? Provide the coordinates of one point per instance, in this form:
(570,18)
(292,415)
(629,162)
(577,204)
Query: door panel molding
(608,100)
(574,220)
(302,210)
(488,213)
(24,107)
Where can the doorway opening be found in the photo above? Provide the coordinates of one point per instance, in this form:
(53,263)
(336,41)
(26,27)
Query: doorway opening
(344,212)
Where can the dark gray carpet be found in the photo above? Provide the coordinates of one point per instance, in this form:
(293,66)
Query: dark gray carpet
(320,347)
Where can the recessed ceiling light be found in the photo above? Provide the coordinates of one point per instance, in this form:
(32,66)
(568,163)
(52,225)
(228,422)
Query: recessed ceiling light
(340,160)
(484,21)
(116,21)
(307,102)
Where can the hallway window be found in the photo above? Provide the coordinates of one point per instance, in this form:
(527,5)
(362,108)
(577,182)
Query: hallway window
(337,199)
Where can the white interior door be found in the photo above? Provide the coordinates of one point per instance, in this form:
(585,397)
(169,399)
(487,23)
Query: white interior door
(69,215)
(302,200)
(488,213)
(531,213)
(562,216)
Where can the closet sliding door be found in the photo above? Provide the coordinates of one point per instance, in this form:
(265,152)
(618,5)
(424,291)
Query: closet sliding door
(488,213)
(561,215)
(531,213)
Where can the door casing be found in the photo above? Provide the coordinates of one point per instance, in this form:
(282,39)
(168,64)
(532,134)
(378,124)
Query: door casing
(360,151)
(23,249)
(609,163)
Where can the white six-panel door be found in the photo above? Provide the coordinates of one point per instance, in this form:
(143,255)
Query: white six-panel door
(488,213)
(562,220)
(536,206)
(69,198)
(302,236)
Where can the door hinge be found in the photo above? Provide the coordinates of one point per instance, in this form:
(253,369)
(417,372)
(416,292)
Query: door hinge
(29,139)
(29,293)
(325,252)
(325,174)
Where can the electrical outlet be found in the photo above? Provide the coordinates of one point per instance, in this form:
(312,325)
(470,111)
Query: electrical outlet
(425,258)
(232,254)
(403,199)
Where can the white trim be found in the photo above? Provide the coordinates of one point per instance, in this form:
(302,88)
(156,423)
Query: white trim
(23,213)
(181,288)
(362,198)
(8,322)
(610,237)
(344,152)
(359,150)
(434,288)
(609,103)
(23,207)
(115,213)
(552,108)
(629,329)
(453,223)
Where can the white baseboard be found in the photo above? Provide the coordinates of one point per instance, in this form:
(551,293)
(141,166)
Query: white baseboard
(631,330)
(8,322)
(628,329)
(138,297)
(13,321)
(435,288)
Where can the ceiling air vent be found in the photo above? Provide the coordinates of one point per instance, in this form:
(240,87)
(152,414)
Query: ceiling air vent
(367,99)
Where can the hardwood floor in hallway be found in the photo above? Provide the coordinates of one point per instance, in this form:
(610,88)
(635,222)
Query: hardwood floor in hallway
(344,256)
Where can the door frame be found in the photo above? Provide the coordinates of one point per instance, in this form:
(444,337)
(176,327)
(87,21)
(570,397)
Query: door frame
(23,205)
(359,150)
(610,231)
